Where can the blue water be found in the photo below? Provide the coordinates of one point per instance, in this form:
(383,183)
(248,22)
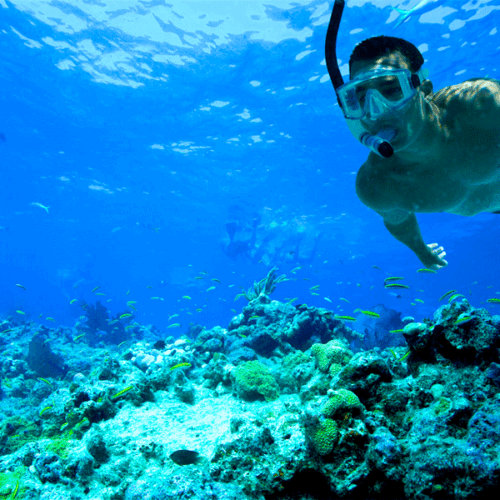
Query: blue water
(146,127)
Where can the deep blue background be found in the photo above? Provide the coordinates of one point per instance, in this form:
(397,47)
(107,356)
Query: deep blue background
(84,148)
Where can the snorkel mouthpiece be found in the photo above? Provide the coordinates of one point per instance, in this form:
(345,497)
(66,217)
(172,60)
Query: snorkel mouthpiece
(377,143)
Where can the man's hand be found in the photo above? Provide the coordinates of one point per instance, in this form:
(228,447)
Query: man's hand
(433,257)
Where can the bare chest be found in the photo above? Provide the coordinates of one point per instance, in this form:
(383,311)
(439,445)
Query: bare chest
(465,181)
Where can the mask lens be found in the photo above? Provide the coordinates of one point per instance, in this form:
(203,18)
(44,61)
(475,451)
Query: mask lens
(388,86)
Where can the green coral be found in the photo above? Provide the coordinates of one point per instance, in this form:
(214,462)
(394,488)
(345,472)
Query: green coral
(266,285)
(11,484)
(61,445)
(341,401)
(294,359)
(334,369)
(331,352)
(254,381)
(325,436)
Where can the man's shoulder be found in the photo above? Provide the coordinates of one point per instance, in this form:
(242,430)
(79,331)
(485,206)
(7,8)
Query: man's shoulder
(477,98)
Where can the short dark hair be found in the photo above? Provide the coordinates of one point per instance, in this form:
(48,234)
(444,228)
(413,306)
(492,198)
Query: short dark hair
(377,46)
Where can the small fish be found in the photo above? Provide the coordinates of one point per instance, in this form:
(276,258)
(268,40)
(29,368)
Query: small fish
(345,318)
(40,315)
(254,317)
(234,311)
(454,296)
(199,278)
(21,286)
(35,204)
(113,322)
(180,365)
(210,289)
(230,286)
(394,278)
(345,300)
(313,293)
(369,313)
(72,301)
(132,307)
(462,320)
(131,302)
(376,267)
(21,312)
(78,337)
(100,293)
(174,325)
(419,300)
(96,288)
(493,301)
(426,271)
(125,315)
(185,457)
(122,392)
(395,285)
(405,356)
(128,291)
(422,7)
(446,294)
(306,279)
(327,299)
(186,297)
(45,381)
(149,286)
(315,287)
(50,319)
(292,300)
(296,269)
(396,331)
(198,310)
(155,298)
(173,316)
(44,410)
(216,280)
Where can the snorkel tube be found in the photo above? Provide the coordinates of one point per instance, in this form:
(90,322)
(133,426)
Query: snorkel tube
(377,143)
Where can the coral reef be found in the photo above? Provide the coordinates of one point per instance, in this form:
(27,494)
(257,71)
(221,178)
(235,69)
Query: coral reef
(282,403)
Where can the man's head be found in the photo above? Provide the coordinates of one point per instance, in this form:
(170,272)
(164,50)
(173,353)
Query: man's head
(387,90)
(387,49)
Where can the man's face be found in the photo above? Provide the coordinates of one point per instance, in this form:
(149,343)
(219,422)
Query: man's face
(403,120)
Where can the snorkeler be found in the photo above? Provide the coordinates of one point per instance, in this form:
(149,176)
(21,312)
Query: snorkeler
(239,246)
(431,151)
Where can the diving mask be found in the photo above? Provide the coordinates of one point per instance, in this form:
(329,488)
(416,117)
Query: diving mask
(379,92)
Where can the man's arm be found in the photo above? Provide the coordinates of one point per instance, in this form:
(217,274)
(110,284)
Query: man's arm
(401,223)
(404,227)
